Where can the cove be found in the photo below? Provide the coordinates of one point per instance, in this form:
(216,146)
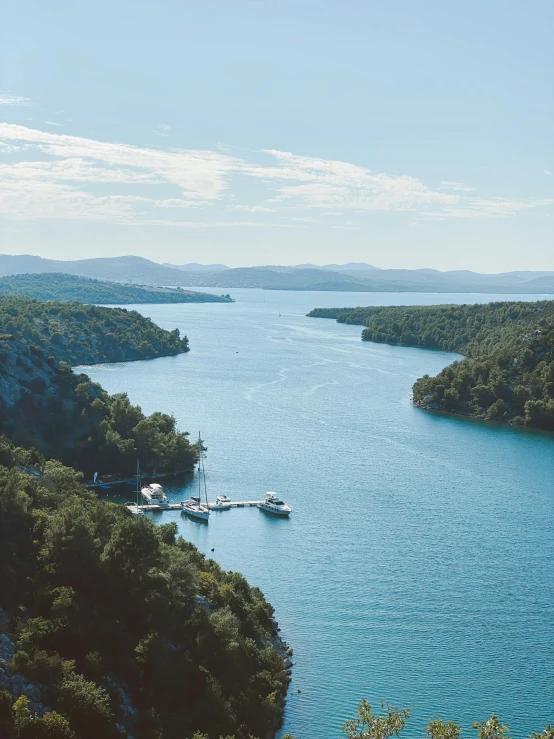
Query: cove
(417,563)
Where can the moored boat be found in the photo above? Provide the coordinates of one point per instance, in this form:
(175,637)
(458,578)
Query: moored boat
(272,503)
(153,494)
(194,506)
(222,503)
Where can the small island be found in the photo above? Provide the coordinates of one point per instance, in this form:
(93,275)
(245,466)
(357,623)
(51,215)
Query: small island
(508,370)
(59,286)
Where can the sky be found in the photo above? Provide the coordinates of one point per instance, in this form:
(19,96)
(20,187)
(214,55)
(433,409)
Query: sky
(415,133)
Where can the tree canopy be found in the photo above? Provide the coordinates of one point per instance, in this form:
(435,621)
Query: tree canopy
(121,622)
(44,404)
(508,374)
(86,334)
(59,286)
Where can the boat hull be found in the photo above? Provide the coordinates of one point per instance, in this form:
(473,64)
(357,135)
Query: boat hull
(155,501)
(282,513)
(196,514)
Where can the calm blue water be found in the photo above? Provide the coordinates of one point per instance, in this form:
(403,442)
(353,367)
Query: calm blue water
(418,563)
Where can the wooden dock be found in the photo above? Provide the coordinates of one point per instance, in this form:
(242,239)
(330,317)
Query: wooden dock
(211,506)
(237,504)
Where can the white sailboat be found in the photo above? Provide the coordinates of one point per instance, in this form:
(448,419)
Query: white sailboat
(134,508)
(194,506)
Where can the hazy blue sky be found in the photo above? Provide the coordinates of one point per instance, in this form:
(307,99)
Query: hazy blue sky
(406,134)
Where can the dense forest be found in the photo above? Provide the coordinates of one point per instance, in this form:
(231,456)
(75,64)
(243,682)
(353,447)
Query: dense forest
(86,334)
(113,627)
(508,373)
(44,404)
(58,286)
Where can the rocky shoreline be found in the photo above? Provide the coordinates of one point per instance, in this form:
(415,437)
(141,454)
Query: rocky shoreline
(285,652)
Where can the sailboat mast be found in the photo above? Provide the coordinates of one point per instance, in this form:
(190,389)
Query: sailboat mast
(199,467)
(205,486)
(138,484)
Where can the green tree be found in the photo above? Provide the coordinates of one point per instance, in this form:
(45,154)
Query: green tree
(438,729)
(87,706)
(369,725)
(491,729)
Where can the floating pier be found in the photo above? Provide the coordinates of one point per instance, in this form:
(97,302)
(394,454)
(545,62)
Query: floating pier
(236,504)
(211,506)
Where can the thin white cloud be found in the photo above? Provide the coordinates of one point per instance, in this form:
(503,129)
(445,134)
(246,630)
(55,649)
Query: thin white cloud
(179,203)
(327,183)
(199,174)
(254,208)
(13,100)
(456,186)
(56,175)
(547,171)
(488,208)
(212,224)
(53,123)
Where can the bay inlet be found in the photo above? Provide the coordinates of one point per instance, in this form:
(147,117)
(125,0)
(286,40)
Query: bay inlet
(417,563)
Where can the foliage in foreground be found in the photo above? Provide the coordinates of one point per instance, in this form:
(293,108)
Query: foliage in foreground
(509,371)
(368,725)
(59,286)
(119,622)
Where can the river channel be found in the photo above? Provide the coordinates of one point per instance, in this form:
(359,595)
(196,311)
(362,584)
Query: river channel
(418,563)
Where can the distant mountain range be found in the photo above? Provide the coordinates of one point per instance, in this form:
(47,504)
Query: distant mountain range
(352,277)
(195,267)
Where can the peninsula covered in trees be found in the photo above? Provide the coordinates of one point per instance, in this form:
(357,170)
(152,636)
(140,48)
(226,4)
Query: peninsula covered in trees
(59,286)
(44,404)
(508,372)
(87,334)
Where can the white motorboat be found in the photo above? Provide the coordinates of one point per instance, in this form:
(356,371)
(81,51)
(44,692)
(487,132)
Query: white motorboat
(153,494)
(134,508)
(194,506)
(222,503)
(272,503)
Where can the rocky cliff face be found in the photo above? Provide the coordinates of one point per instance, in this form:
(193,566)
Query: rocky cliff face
(15,683)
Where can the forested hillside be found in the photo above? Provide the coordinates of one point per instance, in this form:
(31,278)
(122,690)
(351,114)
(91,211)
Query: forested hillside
(86,334)
(509,371)
(113,628)
(44,404)
(58,286)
